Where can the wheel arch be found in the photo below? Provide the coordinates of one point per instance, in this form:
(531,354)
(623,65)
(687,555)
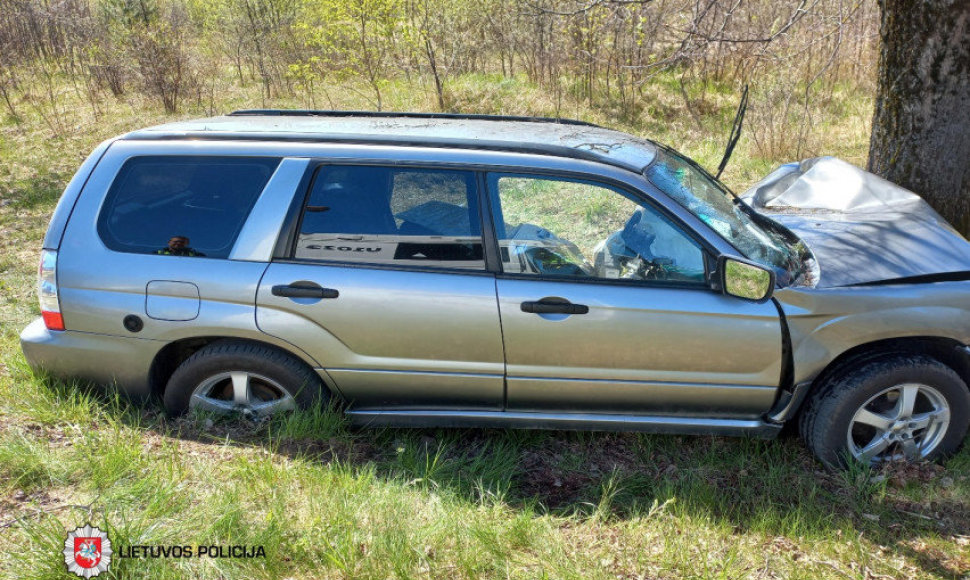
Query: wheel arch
(176,352)
(948,351)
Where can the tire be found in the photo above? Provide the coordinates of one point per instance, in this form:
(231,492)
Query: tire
(232,376)
(861,415)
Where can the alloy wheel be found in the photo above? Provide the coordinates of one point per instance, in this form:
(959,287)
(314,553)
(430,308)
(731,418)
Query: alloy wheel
(243,392)
(903,422)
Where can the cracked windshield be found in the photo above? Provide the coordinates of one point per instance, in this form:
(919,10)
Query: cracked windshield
(726,215)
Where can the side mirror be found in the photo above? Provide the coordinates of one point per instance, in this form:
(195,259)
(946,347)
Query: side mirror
(745,279)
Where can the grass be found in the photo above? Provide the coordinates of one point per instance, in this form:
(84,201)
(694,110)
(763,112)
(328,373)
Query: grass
(327,501)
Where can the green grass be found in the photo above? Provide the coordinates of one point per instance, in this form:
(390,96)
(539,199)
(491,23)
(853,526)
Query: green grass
(326,501)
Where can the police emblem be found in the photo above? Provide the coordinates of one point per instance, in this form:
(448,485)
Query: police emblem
(87,551)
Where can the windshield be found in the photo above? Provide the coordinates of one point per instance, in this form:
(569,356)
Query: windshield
(704,197)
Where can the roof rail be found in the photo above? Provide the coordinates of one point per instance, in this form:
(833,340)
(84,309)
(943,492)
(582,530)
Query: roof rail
(389,114)
(444,143)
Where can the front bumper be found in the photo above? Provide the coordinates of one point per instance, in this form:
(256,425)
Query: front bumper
(101,358)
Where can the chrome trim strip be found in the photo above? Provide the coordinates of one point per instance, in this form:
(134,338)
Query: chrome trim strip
(564,421)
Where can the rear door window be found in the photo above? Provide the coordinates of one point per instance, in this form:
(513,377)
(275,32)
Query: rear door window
(186,206)
(393,216)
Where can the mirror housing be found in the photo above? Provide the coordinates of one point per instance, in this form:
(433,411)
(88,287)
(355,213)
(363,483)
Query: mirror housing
(745,279)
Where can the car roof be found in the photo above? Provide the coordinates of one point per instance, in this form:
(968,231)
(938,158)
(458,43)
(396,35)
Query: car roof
(536,135)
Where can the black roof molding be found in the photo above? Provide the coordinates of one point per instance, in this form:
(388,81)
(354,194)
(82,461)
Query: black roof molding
(391,115)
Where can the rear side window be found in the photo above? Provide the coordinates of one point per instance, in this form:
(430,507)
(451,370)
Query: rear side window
(383,215)
(182,205)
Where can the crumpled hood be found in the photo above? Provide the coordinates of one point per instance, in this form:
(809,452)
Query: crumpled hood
(860,227)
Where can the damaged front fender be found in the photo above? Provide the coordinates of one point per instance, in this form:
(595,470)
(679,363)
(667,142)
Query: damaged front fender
(826,323)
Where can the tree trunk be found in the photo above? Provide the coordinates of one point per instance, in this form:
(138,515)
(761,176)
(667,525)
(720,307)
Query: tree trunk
(921,127)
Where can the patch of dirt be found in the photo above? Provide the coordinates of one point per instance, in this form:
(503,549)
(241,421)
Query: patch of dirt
(551,473)
(899,475)
(553,486)
(328,451)
(950,517)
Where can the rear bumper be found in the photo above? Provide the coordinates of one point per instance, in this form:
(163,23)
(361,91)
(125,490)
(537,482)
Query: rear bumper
(101,358)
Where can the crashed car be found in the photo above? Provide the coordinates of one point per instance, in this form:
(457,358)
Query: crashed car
(477,271)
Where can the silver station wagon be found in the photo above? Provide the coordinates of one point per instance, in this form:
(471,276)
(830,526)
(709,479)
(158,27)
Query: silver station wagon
(463,270)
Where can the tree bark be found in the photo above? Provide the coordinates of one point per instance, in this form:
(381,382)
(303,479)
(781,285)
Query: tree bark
(921,126)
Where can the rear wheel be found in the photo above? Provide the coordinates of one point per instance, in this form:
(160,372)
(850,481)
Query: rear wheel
(897,408)
(232,376)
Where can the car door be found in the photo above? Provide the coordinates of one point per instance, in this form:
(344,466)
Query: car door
(605,308)
(385,285)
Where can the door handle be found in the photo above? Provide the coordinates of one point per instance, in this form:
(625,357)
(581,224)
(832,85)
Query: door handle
(300,291)
(554,306)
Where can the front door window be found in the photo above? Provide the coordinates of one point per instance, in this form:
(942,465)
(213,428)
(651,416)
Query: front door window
(577,229)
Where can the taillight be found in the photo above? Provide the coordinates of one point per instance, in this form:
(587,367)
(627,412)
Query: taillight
(50,304)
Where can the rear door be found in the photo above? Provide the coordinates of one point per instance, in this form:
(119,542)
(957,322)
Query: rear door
(385,285)
(605,308)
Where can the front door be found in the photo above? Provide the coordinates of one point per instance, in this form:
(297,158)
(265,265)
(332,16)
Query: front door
(605,308)
(386,288)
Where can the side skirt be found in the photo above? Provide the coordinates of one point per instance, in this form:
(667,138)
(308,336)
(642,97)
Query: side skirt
(564,421)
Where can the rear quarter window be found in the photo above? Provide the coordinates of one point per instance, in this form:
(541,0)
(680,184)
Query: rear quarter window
(182,205)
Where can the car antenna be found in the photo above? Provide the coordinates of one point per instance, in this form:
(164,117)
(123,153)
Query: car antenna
(735,132)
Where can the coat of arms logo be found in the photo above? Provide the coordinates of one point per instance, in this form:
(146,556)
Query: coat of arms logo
(87,551)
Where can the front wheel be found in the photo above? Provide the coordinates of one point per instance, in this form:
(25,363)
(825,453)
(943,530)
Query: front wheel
(897,408)
(233,376)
